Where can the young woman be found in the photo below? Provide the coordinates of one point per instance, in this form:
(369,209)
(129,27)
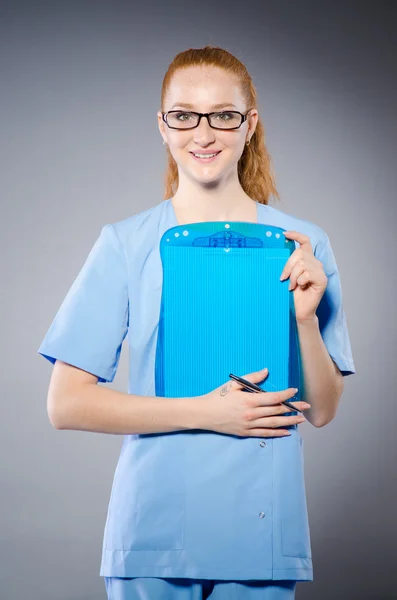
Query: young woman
(230,524)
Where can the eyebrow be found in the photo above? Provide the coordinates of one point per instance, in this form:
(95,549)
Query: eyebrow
(185,105)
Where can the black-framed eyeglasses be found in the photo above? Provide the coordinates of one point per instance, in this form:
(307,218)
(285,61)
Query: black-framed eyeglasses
(226,119)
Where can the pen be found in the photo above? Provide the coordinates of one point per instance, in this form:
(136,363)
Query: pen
(255,388)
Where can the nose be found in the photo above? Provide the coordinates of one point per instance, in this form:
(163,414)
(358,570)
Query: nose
(203,133)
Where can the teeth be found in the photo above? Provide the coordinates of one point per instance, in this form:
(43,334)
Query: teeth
(205,155)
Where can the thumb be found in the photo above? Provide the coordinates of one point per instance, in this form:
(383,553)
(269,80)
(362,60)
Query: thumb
(254,377)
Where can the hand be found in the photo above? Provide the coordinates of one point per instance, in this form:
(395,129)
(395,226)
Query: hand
(307,277)
(232,410)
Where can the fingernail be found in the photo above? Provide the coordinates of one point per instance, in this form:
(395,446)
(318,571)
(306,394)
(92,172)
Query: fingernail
(306,404)
(265,370)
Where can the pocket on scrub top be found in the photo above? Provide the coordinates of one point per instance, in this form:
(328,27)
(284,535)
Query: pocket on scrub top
(295,532)
(147,510)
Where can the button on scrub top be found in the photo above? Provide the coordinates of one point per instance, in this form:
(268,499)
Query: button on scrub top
(155,526)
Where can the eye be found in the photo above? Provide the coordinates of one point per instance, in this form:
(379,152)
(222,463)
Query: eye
(182,116)
(224,116)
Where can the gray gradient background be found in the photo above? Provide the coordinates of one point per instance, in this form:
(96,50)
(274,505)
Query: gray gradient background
(80,87)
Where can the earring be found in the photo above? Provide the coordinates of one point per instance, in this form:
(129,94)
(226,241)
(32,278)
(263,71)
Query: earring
(247,143)
(164,142)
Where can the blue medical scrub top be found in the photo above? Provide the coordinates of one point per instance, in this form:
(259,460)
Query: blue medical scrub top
(168,518)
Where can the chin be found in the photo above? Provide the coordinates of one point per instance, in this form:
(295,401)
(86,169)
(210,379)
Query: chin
(206,178)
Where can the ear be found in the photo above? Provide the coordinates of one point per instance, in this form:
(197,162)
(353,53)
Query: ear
(161,126)
(252,121)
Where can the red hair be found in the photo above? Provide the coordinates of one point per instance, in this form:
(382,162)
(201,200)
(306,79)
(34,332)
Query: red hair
(254,166)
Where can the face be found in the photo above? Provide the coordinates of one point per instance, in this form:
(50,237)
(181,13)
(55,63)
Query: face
(206,89)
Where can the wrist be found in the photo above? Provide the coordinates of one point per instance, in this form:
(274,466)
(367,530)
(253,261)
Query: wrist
(198,413)
(309,322)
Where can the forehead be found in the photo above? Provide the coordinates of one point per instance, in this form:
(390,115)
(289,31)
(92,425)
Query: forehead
(203,86)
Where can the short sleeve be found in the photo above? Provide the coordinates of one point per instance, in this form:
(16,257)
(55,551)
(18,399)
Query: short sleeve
(89,328)
(331,315)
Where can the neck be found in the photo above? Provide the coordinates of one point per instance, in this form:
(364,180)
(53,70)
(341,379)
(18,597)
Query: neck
(204,204)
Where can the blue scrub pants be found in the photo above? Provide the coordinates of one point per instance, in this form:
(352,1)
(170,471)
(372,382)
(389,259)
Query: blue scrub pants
(144,588)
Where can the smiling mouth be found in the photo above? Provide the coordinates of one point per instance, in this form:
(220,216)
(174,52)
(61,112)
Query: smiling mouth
(206,157)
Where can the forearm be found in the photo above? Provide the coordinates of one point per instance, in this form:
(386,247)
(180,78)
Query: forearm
(323,383)
(100,409)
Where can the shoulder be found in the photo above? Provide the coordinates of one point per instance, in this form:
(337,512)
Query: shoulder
(318,237)
(147,219)
(136,230)
(134,237)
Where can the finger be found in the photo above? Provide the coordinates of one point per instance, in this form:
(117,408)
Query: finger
(308,261)
(271,398)
(304,278)
(290,264)
(268,433)
(302,405)
(261,412)
(281,409)
(302,239)
(254,377)
(297,272)
(275,421)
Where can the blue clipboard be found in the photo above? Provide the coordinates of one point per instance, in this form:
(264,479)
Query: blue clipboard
(224,309)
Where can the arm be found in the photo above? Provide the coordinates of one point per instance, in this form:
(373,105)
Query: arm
(76,402)
(323,381)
